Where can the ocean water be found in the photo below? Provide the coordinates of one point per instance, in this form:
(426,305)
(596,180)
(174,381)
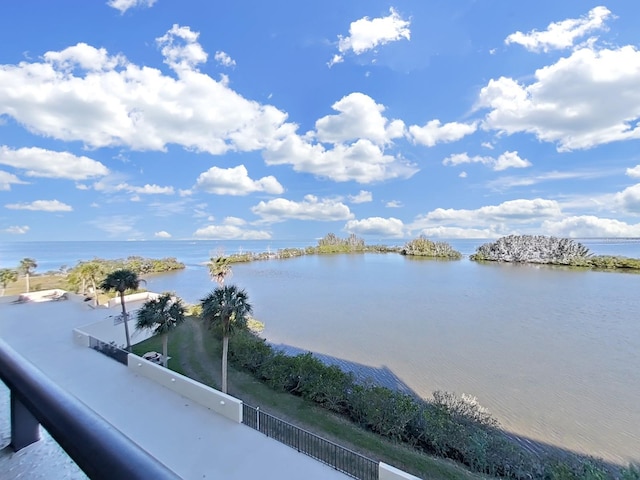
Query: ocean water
(552,352)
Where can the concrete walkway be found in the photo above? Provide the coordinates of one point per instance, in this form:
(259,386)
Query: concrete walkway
(188,438)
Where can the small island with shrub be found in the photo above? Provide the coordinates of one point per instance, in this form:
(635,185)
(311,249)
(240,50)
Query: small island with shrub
(423,247)
(332,244)
(542,249)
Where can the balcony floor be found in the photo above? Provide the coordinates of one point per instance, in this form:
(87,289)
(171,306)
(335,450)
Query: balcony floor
(188,438)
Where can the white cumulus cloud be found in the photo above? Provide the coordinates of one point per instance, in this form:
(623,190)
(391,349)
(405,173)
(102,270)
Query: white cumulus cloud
(382,227)
(434,132)
(560,35)
(368,33)
(17,229)
(310,208)
(236,181)
(38,162)
(151,190)
(634,172)
(362,197)
(487,221)
(232,228)
(181,49)
(224,59)
(586,99)
(587,226)
(124,5)
(7,179)
(362,161)
(83,93)
(112,184)
(359,117)
(629,198)
(41,205)
(459,232)
(162,234)
(503,162)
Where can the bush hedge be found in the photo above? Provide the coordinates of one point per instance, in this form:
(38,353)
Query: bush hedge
(451,426)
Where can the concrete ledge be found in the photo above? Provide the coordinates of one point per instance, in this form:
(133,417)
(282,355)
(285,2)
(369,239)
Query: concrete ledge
(387,472)
(134,297)
(219,402)
(39,296)
(80,338)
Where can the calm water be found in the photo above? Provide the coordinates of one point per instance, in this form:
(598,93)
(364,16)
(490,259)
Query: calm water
(553,353)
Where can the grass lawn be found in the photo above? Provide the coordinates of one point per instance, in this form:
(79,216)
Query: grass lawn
(196,353)
(37,282)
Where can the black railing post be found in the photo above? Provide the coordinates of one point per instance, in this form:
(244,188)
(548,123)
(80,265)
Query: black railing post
(340,458)
(25,428)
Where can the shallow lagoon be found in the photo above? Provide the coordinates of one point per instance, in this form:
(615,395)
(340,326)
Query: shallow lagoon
(554,353)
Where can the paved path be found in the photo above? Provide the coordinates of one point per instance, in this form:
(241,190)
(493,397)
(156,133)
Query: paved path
(188,438)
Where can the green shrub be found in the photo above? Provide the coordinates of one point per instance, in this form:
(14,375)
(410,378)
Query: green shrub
(382,410)
(248,351)
(424,247)
(532,249)
(630,473)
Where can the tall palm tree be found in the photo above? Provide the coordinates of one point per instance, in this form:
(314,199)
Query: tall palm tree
(26,267)
(219,268)
(7,276)
(90,271)
(229,308)
(120,281)
(162,315)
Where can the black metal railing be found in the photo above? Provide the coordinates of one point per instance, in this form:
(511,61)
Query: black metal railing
(109,349)
(97,447)
(342,459)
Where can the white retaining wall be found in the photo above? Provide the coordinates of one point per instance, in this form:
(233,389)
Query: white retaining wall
(80,338)
(211,398)
(387,472)
(134,297)
(42,296)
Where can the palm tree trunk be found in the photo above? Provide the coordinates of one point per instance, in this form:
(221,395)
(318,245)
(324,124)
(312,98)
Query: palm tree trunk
(126,321)
(26,277)
(95,293)
(225,350)
(165,341)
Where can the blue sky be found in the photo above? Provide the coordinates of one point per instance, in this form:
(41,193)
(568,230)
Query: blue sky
(143,119)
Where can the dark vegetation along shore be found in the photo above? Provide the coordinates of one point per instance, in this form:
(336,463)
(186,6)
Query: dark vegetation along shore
(331,244)
(536,249)
(85,276)
(449,426)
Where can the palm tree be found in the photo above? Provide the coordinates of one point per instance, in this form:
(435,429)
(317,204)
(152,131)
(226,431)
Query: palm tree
(228,307)
(161,315)
(219,268)
(7,276)
(120,281)
(90,271)
(26,267)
